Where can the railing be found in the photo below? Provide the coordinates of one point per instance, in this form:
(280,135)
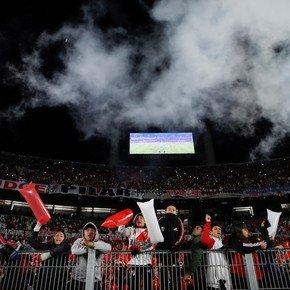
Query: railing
(263,270)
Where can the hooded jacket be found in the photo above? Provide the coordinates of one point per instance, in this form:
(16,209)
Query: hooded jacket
(80,250)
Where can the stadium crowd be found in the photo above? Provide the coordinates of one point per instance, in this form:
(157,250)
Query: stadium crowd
(23,233)
(17,228)
(269,175)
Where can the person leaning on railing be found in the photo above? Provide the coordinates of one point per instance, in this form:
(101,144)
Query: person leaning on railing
(196,249)
(273,274)
(51,274)
(241,241)
(56,246)
(89,240)
(140,262)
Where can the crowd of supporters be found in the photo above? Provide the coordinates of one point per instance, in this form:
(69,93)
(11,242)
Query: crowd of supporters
(18,232)
(18,228)
(264,175)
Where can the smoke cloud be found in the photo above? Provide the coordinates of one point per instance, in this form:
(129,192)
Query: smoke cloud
(222,60)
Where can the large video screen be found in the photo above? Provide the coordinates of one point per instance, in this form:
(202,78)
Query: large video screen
(161,143)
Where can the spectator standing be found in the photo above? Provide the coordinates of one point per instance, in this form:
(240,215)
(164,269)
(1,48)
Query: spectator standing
(90,239)
(173,232)
(140,264)
(196,249)
(50,266)
(56,246)
(218,275)
(242,243)
(273,274)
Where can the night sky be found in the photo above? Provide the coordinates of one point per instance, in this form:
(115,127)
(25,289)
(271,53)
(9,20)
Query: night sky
(78,76)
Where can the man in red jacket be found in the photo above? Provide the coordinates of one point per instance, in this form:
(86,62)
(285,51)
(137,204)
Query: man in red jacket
(218,275)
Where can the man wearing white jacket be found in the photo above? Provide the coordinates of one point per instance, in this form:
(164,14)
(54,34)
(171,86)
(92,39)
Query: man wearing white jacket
(90,239)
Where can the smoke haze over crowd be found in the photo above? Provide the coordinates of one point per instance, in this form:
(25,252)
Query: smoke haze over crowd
(190,61)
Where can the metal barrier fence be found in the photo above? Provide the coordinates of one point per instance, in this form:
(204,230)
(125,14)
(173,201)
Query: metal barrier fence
(262,270)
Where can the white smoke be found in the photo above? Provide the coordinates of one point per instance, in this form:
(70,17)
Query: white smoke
(228,61)
(225,67)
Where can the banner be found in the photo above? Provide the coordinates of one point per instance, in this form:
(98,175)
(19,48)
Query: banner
(74,189)
(16,185)
(186,193)
(94,191)
(140,194)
